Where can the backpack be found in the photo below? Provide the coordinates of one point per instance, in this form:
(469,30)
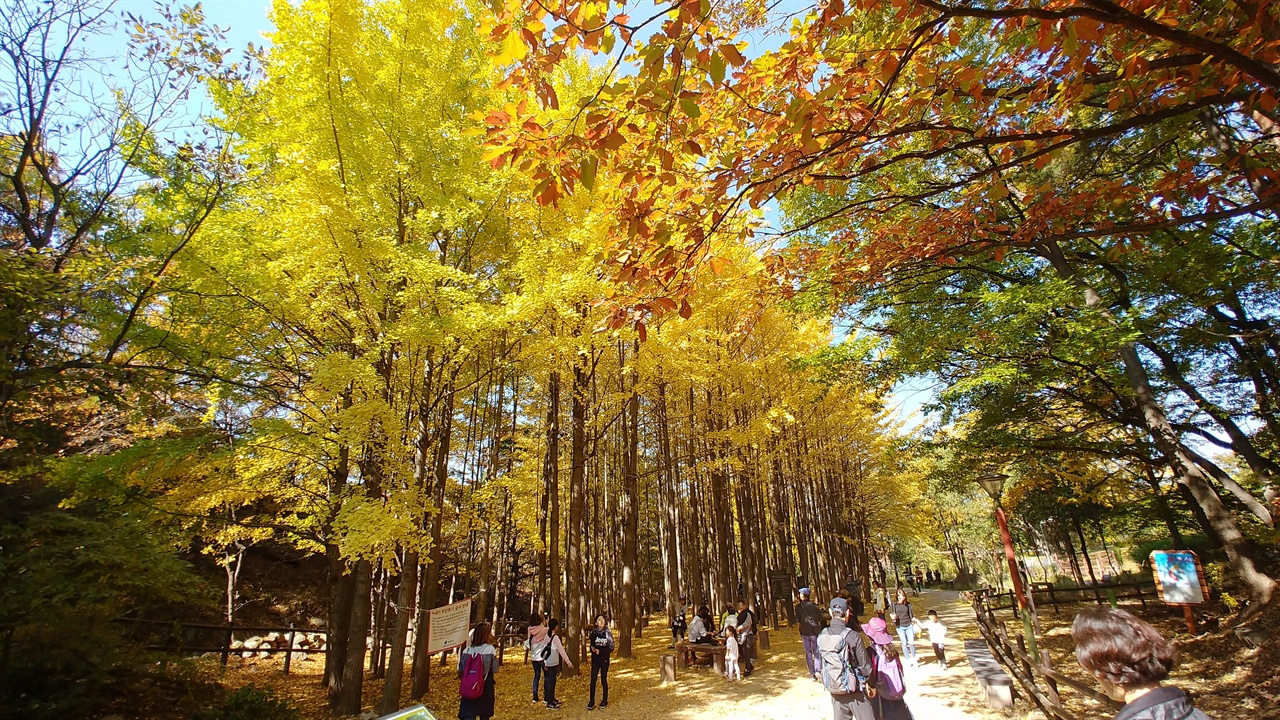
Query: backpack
(890,685)
(810,619)
(472,684)
(547,649)
(838,677)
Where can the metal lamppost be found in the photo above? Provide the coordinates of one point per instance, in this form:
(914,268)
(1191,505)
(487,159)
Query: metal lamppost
(993,484)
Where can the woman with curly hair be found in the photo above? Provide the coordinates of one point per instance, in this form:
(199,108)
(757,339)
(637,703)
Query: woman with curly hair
(1131,659)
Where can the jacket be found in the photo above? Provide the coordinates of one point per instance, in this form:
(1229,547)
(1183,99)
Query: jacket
(809,615)
(601,642)
(537,641)
(1164,703)
(856,653)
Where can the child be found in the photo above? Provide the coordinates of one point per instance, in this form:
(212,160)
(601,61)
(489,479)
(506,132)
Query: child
(553,656)
(888,703)
(731,670)
(937,637)
(536,643)
(601,643)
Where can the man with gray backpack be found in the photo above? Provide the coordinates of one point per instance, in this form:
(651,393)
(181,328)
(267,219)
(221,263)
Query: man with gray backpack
(848,671)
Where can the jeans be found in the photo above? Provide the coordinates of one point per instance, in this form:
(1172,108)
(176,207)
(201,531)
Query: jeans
(537,675)
(599,668)
(940,652)
(549,684)
(811,658)
(746,652)
(908,636)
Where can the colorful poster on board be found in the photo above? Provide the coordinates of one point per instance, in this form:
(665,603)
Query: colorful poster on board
(1179,577)
(448,626)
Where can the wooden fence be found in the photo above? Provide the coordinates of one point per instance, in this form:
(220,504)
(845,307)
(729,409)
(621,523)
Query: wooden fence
(1036,676)
(1046,595)
(197,638)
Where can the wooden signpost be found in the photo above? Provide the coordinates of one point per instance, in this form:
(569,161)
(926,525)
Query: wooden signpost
(1180,581)
(447,627)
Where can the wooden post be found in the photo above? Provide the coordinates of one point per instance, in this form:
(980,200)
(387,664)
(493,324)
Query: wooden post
(1190,618)
(1053,599)
(288,652)
(1052,691)
(667,667)
(1138,586)
(226,644)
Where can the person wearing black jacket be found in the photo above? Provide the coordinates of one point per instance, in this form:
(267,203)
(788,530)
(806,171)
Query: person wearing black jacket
(904,617)
(601,643)
(809,615)
(1131,659)
(747,637)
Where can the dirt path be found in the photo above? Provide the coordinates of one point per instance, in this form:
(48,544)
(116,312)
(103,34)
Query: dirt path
(933,693)
(778,690)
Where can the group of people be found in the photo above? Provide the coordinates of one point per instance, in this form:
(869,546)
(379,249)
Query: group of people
(736,632)
(863,671)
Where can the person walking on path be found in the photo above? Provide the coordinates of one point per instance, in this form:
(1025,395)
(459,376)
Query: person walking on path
(477,665)
(1131,659)
(891,684)
(848,670)
(552,658)
(904,620)
(731,651)
(746,633)
(537,644)
(879,599)
(809,615)
(601,643)
(937,637)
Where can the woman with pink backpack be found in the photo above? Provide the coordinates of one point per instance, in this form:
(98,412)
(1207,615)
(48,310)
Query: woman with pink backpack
(889,703)
(477,664)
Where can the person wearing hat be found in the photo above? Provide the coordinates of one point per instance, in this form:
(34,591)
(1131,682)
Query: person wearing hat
(848,672)
(891,686)
(809,615)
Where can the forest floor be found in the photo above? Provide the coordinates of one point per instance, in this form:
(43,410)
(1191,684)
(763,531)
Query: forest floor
(779,689)
(1228,679)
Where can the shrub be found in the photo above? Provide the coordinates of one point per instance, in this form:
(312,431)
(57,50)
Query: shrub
(252,703)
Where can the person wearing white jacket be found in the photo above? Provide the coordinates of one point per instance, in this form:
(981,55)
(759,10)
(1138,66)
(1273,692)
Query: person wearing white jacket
(536,644)
(553,656)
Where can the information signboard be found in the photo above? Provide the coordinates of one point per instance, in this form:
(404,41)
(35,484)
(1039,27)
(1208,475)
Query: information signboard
(1179,577)
(448,626)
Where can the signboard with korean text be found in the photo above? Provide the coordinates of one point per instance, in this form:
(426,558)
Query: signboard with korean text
(448,626)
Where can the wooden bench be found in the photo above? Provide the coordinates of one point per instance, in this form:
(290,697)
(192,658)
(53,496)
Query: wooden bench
(686,651)
(996,684)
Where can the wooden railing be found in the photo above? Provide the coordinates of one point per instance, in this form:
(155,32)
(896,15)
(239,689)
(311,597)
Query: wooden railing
(191,638)
(1046,594)
(1036,676)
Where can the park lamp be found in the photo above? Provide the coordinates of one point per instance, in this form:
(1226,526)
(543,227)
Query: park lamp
(993,483)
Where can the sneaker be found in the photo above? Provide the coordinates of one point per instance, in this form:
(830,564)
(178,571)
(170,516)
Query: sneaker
(554,706)
(591,706)
(604,704)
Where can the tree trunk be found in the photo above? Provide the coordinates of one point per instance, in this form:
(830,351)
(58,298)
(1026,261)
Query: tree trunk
(574,605)
(351,692)
(399,639)
(629,508)
(1240,553)
(431,578)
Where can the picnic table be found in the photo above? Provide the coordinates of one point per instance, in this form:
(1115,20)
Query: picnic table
(686,652)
